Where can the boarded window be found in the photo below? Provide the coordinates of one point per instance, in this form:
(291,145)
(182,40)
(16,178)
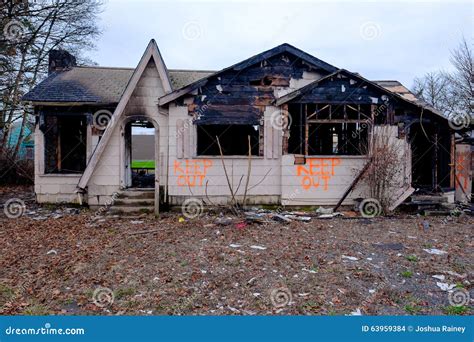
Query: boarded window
(233,139)
(65,143)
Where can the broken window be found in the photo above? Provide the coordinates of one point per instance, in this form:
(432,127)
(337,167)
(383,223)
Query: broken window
(65,143)
(329,129)
(232,138)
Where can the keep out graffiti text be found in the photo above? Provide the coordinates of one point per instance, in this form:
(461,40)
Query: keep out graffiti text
(191,172)
(317,172)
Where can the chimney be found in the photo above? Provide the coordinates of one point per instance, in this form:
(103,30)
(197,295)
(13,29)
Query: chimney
(60,60)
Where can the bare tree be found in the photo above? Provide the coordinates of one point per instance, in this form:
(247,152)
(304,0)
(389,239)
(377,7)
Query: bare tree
(29,31)
(383,175)
(462,78)
(451,92)
(435,88)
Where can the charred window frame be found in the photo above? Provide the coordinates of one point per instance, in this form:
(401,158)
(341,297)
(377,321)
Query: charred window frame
(232,138)
(65,139)
(329,129)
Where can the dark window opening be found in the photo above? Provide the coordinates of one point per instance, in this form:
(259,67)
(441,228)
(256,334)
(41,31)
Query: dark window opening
(296,142)
(232,138)
(65,144)
(329,129)
(337,139)
(431,156)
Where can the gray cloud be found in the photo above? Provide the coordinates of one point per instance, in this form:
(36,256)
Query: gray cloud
(380,40)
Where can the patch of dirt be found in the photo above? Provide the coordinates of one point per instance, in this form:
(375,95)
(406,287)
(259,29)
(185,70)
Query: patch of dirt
(69,263)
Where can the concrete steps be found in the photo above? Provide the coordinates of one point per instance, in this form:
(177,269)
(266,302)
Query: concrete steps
(134,201)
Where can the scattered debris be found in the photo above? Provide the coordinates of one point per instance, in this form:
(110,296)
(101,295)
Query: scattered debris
(322,210)
(224,221)
(309,271)
(351,258)
(136,222)
(327,216)
(52,252)
(281,218)
(435,251)
(195,269)
(445,286)
(262,248)
(298,218)
(439,277)
(240,225)
(254,218)
(425,224)
(251,280)
(356,312)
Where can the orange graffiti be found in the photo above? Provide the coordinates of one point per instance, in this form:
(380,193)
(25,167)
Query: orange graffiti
(191,172)
(462,168)
(317,172)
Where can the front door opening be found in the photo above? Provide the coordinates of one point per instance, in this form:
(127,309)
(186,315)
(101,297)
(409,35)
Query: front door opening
(141,154)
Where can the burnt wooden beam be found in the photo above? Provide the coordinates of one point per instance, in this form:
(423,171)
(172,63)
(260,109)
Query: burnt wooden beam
(353,184)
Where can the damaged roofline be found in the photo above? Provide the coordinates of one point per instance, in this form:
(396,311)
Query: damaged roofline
(301,91)
(316,62)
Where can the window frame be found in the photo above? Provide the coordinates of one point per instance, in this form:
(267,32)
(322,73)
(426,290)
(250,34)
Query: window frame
(259,139)
(308,118)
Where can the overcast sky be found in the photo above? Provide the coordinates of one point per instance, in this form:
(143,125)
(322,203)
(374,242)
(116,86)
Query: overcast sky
(380,40)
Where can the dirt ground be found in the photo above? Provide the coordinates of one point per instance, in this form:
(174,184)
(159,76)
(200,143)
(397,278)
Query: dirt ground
(67,261)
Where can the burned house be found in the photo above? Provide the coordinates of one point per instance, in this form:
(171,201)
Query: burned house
(298,126)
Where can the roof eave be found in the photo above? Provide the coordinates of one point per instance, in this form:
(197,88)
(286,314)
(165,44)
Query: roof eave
(298,92)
